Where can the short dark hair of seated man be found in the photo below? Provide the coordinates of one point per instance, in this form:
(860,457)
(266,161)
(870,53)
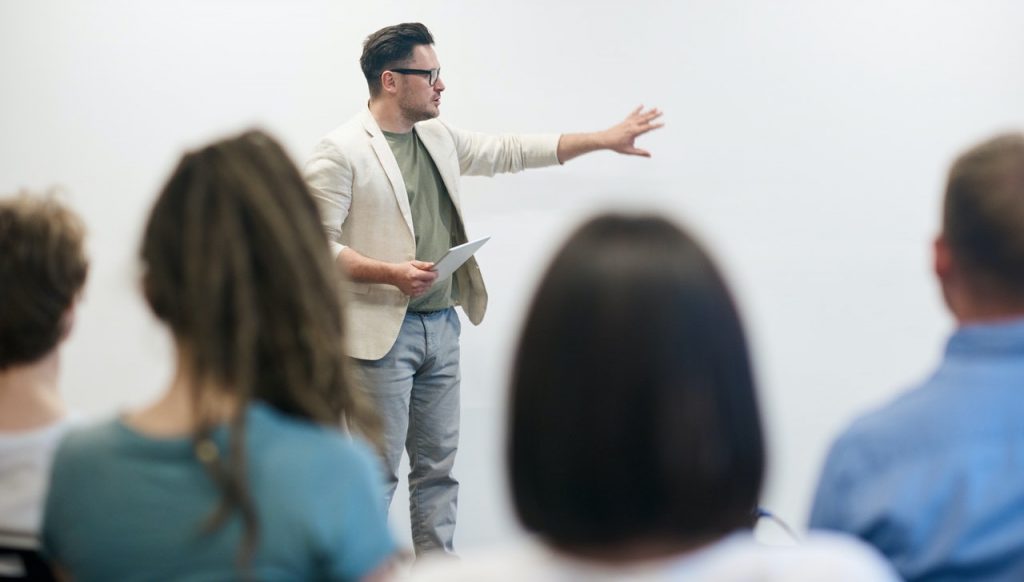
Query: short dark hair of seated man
(980,253)
(633,412)
(935,478)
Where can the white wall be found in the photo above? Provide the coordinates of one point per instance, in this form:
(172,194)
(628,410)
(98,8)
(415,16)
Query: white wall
(807,142)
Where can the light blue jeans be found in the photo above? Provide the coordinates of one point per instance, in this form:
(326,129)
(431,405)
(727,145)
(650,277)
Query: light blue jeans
(415,387)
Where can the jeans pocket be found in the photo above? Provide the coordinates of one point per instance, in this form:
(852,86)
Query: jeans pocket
(456,323)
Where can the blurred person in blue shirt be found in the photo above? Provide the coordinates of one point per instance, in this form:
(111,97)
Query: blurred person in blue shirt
(935,479)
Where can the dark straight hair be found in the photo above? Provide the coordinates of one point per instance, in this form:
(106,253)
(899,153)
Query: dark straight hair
(237,266)
(633,410)
(388,47)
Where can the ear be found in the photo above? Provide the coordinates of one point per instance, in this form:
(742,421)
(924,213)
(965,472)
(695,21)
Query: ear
(388,82)
(943,258)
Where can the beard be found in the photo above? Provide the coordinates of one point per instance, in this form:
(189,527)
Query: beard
(416,113)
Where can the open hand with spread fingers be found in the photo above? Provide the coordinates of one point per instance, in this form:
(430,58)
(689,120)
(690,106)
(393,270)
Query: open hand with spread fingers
(622,137)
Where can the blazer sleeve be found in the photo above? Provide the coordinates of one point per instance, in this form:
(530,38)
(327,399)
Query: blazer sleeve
(329,175)
(481,154)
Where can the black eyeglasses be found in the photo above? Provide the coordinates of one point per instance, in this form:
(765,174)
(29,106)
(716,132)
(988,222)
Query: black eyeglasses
(432,74)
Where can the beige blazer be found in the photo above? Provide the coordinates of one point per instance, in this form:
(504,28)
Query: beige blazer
(363,202)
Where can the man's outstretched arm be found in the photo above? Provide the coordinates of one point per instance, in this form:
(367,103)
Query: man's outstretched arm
(618,138)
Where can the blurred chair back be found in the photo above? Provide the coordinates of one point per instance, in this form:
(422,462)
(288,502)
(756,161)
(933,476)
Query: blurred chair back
(20,558)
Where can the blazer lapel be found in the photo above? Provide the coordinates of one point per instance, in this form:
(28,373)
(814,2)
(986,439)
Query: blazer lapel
(380,146)
(440,153)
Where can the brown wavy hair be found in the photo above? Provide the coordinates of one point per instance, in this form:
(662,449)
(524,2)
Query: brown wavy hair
(43,268)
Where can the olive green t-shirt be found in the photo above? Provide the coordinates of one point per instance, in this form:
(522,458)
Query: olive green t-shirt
(433,215)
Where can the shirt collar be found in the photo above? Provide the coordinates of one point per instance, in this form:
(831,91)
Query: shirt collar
(1004,337)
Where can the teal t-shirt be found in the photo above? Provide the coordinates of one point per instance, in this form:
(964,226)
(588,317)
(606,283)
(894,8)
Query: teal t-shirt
(125,506)
(433,214)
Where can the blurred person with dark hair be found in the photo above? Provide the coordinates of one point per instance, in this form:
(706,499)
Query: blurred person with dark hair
(43,268)
(935,478)
(388,185)
(238,470)
(635,447)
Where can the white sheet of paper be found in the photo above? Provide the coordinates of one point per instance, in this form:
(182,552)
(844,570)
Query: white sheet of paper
(455,256)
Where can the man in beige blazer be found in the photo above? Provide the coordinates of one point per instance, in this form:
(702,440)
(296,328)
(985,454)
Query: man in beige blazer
(387,182)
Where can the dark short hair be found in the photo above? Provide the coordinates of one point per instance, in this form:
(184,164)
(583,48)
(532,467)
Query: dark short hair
(42,269)
(983,216)
(388,47)
(633,412)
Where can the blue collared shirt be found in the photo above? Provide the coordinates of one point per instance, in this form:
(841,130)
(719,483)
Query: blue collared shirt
(935,479)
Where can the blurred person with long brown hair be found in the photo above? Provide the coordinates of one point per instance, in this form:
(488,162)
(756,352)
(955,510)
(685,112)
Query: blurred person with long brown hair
(238,470)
